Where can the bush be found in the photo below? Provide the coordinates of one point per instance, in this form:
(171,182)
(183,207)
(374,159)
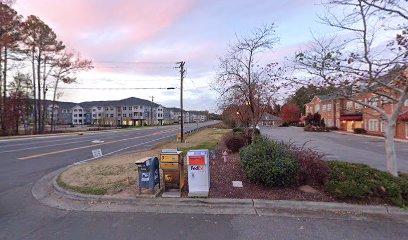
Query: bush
(284,124)
(359,181)
(359,131)
(269,163)
(234,142)
(333,128)
(238,130)
(301,125)
(312,170)
(310,128)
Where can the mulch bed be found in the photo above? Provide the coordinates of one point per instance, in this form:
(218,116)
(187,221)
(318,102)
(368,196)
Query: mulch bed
(223,173)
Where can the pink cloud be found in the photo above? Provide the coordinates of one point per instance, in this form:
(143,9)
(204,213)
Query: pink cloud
(100,28)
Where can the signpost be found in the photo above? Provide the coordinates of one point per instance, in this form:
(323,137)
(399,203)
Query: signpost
(97,153)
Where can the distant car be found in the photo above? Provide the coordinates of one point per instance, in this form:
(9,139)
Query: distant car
(257,127)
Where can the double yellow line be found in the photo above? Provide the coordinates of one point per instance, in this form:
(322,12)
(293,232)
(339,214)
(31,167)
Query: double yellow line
(94,145)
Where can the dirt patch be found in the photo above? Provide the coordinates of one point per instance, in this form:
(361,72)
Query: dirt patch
(117,174)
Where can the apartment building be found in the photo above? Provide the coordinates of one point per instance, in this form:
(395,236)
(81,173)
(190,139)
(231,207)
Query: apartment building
(129,111)
(348,115)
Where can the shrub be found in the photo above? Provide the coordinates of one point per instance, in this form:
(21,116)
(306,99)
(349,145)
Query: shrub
(301,125)
(268,163)
(284,124)
(238,130)
(359,131)
(359,181)
(333,128)
(312,170)
(234,142)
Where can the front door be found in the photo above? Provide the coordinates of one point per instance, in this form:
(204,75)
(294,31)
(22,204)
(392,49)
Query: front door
(350,126)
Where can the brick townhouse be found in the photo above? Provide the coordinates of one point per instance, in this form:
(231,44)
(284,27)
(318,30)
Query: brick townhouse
(348,115)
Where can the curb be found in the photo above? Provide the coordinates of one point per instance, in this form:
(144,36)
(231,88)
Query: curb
(47,191)
(369,136)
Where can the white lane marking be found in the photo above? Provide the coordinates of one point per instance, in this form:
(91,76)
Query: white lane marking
(73,134)
(65,139)
(97,141)
(119,150)
(54,145)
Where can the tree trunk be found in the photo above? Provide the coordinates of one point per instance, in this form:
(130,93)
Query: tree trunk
(34,92)
(391,156)
(1,99)
(4,112)
(39,91)
(53,104)
(44,108)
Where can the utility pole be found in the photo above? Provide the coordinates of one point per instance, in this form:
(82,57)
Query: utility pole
(151,111)
(182,72)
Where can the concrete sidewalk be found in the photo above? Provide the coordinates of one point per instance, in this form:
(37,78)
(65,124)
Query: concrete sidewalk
(49,193)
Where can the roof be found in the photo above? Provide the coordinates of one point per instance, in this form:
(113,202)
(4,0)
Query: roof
(326,97)
(132,101)
(268,116)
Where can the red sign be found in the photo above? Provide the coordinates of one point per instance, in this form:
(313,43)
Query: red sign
(196,160)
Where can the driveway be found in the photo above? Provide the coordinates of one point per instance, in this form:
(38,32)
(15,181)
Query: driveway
(349,148)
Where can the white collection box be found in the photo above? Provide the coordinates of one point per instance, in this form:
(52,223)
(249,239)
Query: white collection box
(198,164)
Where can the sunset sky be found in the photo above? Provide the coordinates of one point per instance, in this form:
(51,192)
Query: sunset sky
(156,34)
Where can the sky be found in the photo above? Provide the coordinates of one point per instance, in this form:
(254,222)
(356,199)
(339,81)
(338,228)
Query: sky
(135,43)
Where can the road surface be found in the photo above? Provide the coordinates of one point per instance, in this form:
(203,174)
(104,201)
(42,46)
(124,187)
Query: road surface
(342,147)
(24,161)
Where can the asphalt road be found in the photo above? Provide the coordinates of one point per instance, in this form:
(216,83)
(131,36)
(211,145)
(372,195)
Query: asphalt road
(24,161)
(349,148)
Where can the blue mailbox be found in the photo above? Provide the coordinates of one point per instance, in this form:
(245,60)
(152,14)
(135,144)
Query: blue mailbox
(148,173)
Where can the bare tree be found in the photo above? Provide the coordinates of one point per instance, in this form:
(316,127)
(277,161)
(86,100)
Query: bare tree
(42,46)
(67,65)
(242,80)
(359,62)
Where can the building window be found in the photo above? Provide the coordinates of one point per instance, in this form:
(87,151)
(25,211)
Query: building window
(382,126)
(124,108)
(329,107)
(80,110)
(99,114)
(93,110)
(124,115)
(106,109)
(75,115)
(406,103)
(111,109)
(111,115)
(349,105)
(106,115)
(99,108)
(317,108)
(338,123)
(75,110)
(373,125)
(324,108)
(94,115)
(374,101)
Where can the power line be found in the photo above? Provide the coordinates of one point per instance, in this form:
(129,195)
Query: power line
(107,88)
(132,62)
